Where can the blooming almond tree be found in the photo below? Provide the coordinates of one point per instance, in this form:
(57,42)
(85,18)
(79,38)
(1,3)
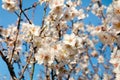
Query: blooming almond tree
(64,44)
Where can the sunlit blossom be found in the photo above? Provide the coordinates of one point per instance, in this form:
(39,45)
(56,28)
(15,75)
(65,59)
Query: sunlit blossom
(44,56)
(100,59)
(54,3)
(70,39)
(10,5)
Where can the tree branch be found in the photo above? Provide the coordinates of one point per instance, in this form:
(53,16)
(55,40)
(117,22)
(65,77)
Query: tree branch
(10,67)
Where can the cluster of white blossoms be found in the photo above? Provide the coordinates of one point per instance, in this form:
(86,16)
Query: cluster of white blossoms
(63,42)
(48,45)
(10,5)
(105,35)
(108,33)
(97,9)
(115,60)
(30,29)
(113,12)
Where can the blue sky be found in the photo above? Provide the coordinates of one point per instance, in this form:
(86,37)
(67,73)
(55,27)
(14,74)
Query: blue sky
(7,18)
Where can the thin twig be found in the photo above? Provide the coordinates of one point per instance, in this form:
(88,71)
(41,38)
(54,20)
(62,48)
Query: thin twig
(25,67)
(45,10)
(17,14)
(26,17)
(99,4)
(32,73)
(23,70)
(71,71)
(47,73)
(31,7)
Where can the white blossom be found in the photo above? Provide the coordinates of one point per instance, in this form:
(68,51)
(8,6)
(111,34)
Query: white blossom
(44,56)
(70,39)
(10,5)
(100,59)
(54,3)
